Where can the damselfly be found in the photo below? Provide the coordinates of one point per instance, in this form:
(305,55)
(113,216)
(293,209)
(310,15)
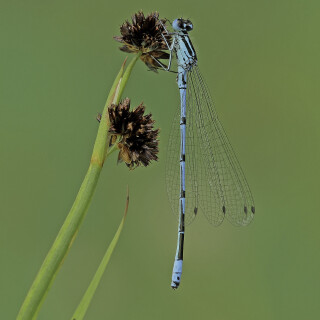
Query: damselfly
(206,175)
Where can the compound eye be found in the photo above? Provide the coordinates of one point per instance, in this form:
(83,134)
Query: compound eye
(177,24)
(181,23)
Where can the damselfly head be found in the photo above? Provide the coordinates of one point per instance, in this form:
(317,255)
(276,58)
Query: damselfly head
(182,25)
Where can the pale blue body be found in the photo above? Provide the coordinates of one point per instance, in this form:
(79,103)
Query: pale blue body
(186,58)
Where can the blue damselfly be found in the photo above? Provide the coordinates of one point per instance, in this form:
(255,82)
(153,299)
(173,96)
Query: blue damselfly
(206,174)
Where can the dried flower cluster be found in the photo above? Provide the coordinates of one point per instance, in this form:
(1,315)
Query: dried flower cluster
(146,35)
(138,139)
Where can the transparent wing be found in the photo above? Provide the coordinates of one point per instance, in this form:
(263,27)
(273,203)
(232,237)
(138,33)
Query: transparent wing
(222,186)
(173,170)
(215,183)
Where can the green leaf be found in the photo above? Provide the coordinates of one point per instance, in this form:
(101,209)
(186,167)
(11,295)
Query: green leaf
(86,299)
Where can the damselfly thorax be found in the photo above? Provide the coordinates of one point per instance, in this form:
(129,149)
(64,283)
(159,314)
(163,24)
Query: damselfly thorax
(184,51)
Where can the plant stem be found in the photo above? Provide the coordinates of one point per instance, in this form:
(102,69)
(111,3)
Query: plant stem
(70,227)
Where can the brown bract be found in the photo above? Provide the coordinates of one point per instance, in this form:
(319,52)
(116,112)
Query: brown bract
(138,139)
(145,35)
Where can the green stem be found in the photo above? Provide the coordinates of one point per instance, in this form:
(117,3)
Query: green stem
(70,227)
(100,147)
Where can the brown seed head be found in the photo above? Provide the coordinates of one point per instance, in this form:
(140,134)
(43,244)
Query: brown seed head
(145,34)
(138,139)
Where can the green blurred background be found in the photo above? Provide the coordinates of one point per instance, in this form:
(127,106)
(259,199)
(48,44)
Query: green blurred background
(261,61)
